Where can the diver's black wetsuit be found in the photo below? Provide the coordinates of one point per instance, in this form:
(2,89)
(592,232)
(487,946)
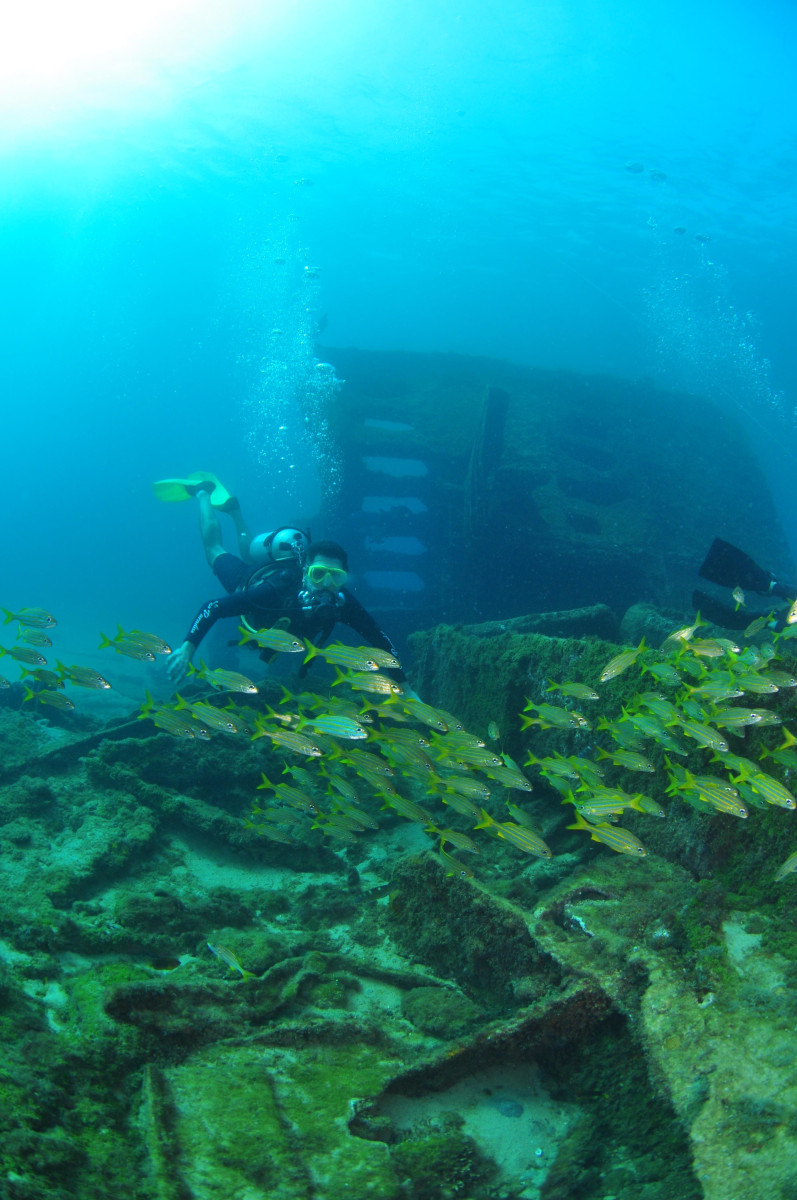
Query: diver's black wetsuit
(263,603)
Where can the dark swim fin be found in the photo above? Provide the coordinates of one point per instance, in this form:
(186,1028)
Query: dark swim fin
(730,567)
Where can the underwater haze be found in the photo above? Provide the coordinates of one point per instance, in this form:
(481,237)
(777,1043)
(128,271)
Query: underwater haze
(502,297)
(191,195)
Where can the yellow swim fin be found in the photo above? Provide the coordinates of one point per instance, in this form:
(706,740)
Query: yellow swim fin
(172,490)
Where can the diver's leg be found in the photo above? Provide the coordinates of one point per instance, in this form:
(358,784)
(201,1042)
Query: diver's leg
(233,510)
(209,527)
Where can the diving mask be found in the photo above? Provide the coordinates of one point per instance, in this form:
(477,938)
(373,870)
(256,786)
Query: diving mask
(321,576)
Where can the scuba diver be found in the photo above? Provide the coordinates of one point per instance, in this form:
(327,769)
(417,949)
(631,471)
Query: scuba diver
(278,578)
(730,567)
(305,598)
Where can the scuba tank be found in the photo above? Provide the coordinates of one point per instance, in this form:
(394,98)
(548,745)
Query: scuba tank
(279,559)
(278,545)
(282,552)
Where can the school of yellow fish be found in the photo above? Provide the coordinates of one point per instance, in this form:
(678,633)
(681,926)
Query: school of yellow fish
(347,755)
(691,710)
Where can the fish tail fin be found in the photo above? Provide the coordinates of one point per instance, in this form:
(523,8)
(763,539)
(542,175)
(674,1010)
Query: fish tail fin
(312,651)
(486,821)
(603,753)
(181,703)
(29,694)
(247,975)
(148,705)
(104,641)
(339,677)
(580,823)
(553,686)
(788,740)
(266,784)
(246,634)
(9,616)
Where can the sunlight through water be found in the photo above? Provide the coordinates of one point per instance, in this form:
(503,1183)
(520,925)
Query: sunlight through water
(58,62)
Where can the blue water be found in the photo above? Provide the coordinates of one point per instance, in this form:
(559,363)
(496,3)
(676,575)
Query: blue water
(423,175)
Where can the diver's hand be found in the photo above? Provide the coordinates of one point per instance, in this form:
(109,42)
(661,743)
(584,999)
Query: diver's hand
(179,662)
